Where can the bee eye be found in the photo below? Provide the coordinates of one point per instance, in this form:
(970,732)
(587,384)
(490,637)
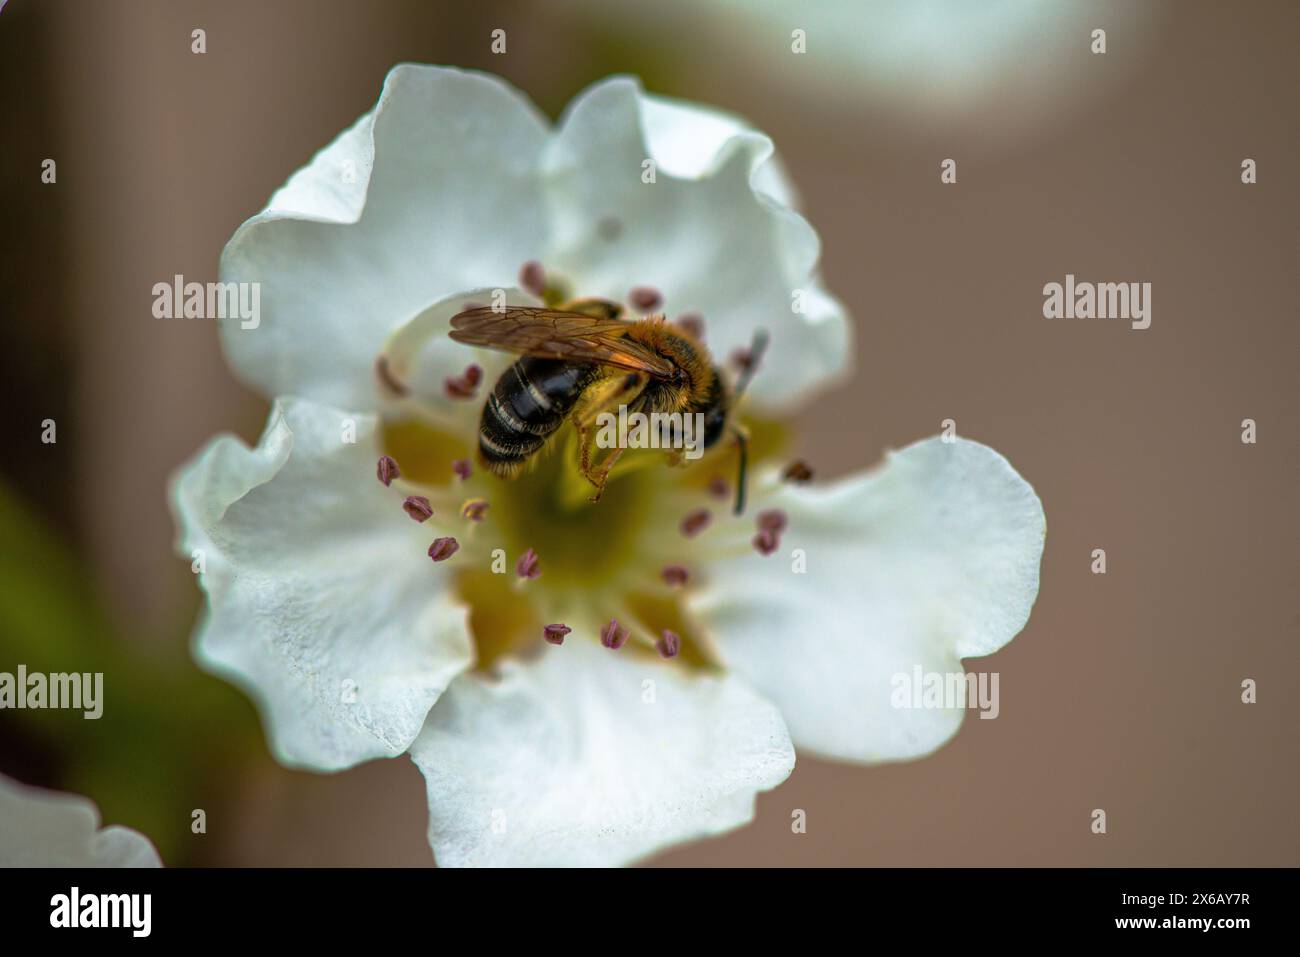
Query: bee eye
(715,421)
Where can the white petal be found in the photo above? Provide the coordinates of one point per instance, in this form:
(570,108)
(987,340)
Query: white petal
(686,138)
(932,558)
(446,197)
(322,601)
(564,762)
(420,355)
(40,828)
(713,233)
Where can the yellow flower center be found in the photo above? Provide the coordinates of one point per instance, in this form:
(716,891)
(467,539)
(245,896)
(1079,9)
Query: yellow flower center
(598,561)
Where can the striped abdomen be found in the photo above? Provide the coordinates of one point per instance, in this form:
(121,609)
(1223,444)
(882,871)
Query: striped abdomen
(528,403)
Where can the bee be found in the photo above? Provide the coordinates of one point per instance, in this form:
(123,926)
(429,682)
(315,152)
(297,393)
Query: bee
(583,359)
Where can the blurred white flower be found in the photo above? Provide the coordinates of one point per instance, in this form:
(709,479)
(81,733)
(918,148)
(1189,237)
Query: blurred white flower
(40,828)
(998,66)
(323,600)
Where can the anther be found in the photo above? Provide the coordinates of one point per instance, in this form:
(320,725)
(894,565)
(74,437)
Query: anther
(612,636)
(743,359)
(555,633)
(528,565)
(798,472)
(675,575)
(669,644)
(462,468)
(772,520)
(418,507)
(387,469)
(696,522)
(766,541)
(533,278)
(464,385)
(645,298)
(719,488)
(443,548)
(474,508)
(692,323)
(388,380)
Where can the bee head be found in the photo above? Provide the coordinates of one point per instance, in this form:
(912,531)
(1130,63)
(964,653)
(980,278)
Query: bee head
(715,423)
(715,407)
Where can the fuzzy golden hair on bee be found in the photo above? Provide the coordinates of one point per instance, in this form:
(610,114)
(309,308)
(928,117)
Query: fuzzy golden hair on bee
(690,358)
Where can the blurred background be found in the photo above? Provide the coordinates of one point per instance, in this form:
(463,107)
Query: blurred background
(1123,693)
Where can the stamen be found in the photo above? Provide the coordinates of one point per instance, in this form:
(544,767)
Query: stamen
(612,636)
(462,468)
(464,385)
(696,522)
(675,575)
(528,565)
(772,520)
(720,488)
(669,644)
(474,508)
(443,548)
(418,507)
(533,278)
(645,298)
(387,469)
(798,472)
(743,359)
(692,323)
(767,541)
(555,633)
(388,379)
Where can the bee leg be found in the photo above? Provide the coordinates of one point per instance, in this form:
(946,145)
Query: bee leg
(584,448)
(602,475)
(592,471)
(595,473)
(603,397)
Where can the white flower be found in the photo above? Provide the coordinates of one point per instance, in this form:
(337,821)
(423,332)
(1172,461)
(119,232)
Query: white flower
(323,601)
(41,828)
(1001,66)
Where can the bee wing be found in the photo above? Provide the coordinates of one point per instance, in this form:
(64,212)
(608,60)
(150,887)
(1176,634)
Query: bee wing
(554,334)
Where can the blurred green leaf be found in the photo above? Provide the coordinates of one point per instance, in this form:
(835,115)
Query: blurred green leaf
(169,737)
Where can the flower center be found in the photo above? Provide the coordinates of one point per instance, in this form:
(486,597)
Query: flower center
(624,560)
(535,559)
(547,508)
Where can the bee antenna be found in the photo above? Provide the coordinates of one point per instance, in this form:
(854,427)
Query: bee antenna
(756,349)
(742,471)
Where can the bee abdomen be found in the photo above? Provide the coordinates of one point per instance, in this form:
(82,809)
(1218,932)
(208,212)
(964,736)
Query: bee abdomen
(527,404)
